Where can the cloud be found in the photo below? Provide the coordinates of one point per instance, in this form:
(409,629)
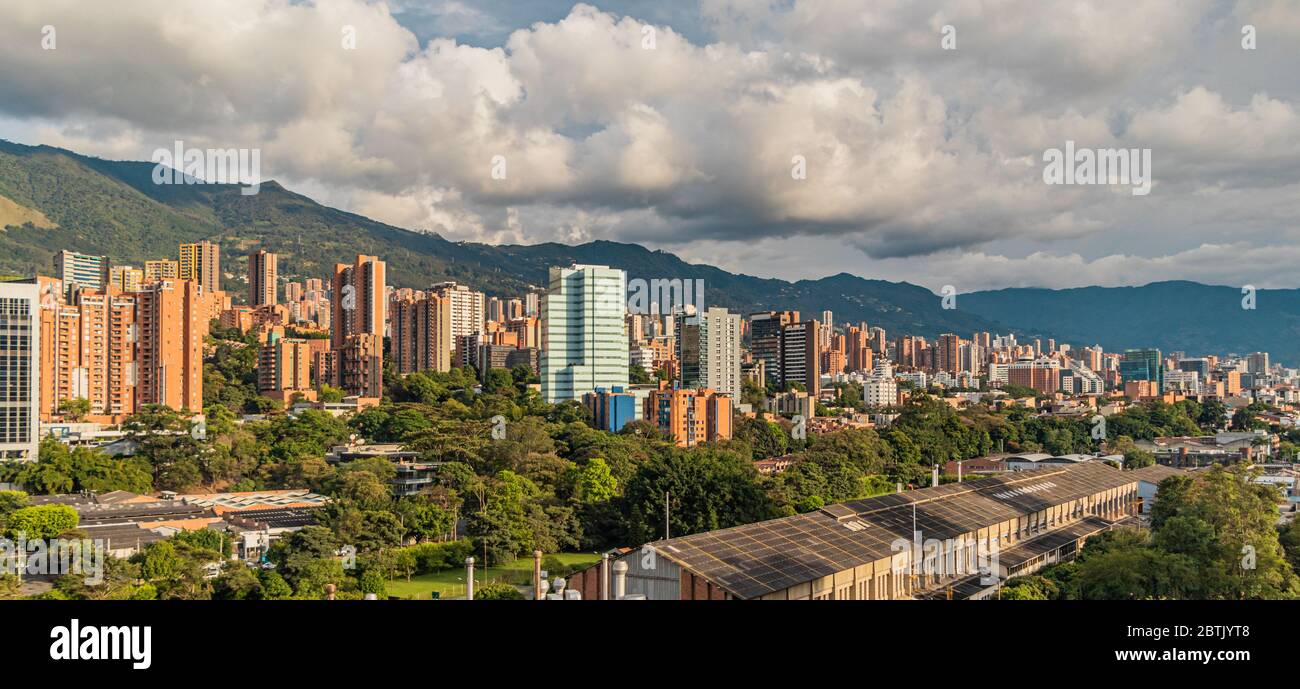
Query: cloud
(912,153)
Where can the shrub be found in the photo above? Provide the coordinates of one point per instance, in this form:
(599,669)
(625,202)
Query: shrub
(494,591)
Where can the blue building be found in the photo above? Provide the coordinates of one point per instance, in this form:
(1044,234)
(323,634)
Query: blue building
(1143,364)
(611,409)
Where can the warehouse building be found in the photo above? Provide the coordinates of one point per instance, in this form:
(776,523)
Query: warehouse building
(958,540)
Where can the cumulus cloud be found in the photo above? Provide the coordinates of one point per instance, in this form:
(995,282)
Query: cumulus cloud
(607,126)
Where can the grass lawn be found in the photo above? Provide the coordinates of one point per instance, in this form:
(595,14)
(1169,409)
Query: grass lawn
(451,582)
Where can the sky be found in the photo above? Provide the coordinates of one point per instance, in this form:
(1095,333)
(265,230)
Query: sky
(901,140)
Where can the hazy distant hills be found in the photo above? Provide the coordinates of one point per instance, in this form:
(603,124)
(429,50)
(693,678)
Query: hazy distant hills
(1173,316)
(52,199)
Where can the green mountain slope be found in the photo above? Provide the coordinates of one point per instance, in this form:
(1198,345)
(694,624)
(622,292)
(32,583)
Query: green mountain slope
(114,208)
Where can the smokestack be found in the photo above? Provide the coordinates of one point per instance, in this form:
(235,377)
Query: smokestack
(469,578)
(959,472)
(898,487)
(604,576)
(934,476)
(620,579)
(537,574)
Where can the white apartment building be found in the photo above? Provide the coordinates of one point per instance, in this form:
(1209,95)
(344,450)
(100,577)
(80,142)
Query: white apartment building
(879,391)
(20,370)
(467,308)
(585,345)
(708,348)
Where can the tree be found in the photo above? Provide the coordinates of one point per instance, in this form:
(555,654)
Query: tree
(10,500)
(237,581)
(75,409)
(1134,456)
(163,438)
(41,521)
(594,483)
(1223,523)
(1136,572)
(329,394)
(497,591)
(1212,414)
(709,488)
(765,439)
(1029,588)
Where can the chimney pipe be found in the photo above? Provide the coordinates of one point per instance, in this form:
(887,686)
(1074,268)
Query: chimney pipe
(959,471)
(898,487)
(604,576)
(537,575)
(469,578)
(620,579)
(934,476)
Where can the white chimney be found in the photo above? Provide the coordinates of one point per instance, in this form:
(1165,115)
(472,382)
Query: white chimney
(469,578)
(958,472)
(934,476)
(620,579)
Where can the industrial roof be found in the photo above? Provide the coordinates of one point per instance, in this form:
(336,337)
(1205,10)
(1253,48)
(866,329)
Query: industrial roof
(756,559)
(256,500)
(1156,473)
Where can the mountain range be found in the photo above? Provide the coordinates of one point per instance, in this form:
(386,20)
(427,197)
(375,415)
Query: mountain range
(52,199)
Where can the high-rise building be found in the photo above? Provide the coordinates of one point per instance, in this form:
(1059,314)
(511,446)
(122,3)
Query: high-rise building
(421,334)
(89,351)
(765,338)
(357,325)
(947,354)
(496,309)
(201,263)
(171,322)
(691,416)
(1199,366)
(284,368)
(1042,374)
(162,270)
(708,350)
(857,350)
(126,278)
(359,365)
(801,356)
(293,292)
(582,332)
(357,299)
(20,370)
(80,271)
(1143,365)
(467,307)
(263,274)
(1257,363)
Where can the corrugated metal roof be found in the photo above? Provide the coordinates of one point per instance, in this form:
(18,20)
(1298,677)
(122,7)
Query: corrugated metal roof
(756,559)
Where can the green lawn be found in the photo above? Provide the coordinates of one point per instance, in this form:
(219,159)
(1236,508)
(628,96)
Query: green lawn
(451,582)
